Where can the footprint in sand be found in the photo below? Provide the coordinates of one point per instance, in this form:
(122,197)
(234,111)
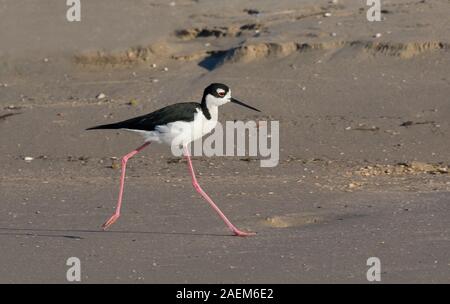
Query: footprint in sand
(292,220)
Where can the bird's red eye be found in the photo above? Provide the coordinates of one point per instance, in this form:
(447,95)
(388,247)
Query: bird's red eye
(221,94)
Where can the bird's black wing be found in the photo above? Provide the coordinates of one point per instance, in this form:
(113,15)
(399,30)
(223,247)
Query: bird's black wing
(163,116)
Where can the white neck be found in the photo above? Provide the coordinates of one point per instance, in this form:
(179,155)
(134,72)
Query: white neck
(214,111)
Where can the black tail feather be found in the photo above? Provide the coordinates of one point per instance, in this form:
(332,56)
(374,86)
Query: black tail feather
(105,127)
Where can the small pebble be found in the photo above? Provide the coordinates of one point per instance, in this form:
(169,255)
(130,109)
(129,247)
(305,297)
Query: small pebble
(327,15)
(133,102)
(252,11)
(100,96)
(115,165)
(28,158)
(352,185)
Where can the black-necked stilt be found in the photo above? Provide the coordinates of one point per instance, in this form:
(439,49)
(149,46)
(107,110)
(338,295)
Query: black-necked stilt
(178,124)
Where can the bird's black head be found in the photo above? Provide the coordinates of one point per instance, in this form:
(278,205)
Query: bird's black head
(218,90)
(217,94)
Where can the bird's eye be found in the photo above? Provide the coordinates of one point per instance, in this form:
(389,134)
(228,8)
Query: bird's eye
(221,94)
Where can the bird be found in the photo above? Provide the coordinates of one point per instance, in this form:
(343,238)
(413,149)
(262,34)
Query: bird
(178,124)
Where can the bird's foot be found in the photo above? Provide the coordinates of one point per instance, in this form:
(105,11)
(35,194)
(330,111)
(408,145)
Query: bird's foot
(242,233)
(111,221)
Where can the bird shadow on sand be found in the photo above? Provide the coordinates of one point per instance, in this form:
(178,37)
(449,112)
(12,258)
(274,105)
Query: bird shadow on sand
(69,233)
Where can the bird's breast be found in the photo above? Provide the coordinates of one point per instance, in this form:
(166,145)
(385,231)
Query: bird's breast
(202,125)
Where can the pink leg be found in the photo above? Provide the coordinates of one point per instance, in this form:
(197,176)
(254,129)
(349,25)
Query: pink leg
(210,201)
(122,181)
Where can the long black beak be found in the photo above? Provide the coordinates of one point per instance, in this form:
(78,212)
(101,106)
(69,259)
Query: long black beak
(243,104)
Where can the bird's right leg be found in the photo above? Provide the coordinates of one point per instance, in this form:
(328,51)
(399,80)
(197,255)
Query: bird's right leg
(125,159)
(199,189)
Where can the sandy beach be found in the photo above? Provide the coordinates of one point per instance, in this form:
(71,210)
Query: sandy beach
(364,155)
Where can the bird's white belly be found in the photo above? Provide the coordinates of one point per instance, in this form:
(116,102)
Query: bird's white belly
(181,132)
